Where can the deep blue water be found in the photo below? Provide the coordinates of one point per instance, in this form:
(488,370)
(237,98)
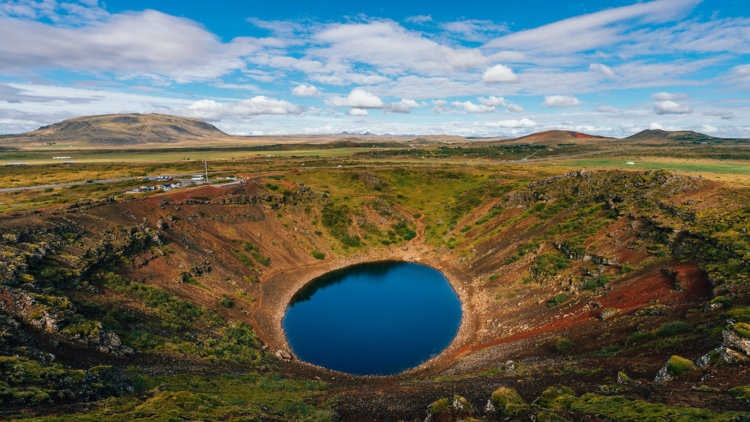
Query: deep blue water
(377,318)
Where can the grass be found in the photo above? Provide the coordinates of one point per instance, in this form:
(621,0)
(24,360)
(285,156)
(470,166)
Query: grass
(216,397)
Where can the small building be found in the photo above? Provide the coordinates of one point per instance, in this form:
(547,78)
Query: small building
(16,164)
(68,162)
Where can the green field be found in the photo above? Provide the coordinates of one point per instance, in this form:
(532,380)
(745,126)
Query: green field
(145,156)
(693,167)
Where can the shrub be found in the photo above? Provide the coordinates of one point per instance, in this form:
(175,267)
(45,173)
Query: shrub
(674,328)
(271,187)
(564,345)
(723,300)
(558,300)
(318,255)
(636,337)
(494,277)
(678,365)
(226,301)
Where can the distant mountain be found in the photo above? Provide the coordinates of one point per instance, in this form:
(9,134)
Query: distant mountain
(676,136)
(556,136)
(120,130)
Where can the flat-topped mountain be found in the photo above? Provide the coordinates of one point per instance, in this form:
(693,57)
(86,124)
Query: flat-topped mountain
(121,130)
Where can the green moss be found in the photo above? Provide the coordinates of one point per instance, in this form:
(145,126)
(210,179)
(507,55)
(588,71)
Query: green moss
(706,389)
(505,399)
(742,329)
(741,393)
(639,337)
(559,397)
(564,345)
(622,409)
(623,378)
(440,406)
(678,365)
(549,417)
(740,314)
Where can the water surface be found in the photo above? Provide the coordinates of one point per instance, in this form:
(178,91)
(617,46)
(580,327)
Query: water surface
(373,319)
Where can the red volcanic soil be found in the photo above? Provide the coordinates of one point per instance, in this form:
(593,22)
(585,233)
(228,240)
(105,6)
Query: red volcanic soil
(628,296)
(583,135)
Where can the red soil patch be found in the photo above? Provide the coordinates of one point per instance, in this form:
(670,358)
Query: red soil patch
(627,297)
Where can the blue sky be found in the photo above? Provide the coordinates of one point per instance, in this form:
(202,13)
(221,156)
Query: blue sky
(463,68)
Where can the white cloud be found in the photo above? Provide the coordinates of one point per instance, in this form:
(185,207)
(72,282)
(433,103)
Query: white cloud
(404,106)
(603,69)
(358,98)
(523,123)
(709,129)
(588,32)
(560,101)
(493,101)
(305,90)
(513,108)
(419,19)
(671,107)
(656,126)
(499,73)
(606,108)
(666,96)
(725,115)
(163,47)
(392,49)
(470,107)
(356,112)
(212,110)
(474,29)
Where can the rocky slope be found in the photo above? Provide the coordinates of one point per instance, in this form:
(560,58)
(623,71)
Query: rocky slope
(564,280)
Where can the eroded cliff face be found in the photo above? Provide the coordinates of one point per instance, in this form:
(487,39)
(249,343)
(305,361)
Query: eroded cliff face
(203,275)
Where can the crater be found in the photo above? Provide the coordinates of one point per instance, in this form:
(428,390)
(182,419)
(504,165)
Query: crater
(376,318)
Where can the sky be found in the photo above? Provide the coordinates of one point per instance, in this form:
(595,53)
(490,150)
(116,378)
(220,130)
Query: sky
(477,69)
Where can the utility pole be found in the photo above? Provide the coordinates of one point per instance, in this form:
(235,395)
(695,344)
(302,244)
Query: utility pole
(206,164)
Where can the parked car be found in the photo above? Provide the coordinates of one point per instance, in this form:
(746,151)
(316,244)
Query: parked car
(88,181)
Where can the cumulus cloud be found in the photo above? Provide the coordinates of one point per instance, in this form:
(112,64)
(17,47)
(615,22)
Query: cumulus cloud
(356,112)
(560,101)
(671,107)
(470,107)
(606,108)
(305,90)
(514,108)
(656,126)
(499,73)
(493,101)
(212,110)
(404,106)
(603,69)
(523,123)
(708,129)
(666,96)
(358,98)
